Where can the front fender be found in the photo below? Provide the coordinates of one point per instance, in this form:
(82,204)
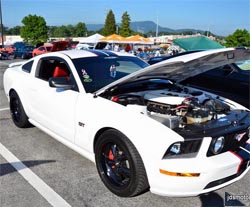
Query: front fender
(150,137)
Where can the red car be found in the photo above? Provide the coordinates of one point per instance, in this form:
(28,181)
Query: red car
(56,46)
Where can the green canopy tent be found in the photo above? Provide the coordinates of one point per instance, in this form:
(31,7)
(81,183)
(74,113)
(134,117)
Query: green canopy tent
(197,43)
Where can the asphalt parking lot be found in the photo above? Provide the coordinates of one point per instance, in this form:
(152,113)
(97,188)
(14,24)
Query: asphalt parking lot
(38,171)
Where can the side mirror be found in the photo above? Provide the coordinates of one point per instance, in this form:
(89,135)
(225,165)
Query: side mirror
(61,82)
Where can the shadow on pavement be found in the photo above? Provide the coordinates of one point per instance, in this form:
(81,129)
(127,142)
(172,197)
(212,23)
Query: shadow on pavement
(7,168)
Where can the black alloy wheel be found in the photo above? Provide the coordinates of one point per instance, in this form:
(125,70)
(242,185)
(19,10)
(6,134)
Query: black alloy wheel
(18,114)
(119,164)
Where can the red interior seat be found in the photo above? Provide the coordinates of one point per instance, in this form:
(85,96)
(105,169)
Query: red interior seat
(61,71)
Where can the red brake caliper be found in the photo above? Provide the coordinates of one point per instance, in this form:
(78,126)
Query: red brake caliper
(111,157)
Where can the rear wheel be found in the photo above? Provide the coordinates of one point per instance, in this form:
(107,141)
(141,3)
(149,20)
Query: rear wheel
(120,165)
(18,114)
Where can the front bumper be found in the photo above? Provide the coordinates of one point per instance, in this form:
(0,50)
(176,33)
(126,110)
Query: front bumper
(214,172)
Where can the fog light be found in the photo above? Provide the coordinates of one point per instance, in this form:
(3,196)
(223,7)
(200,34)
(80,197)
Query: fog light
(218,145)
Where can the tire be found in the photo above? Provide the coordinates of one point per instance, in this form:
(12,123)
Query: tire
(18,114)
(119,164)
(23,56)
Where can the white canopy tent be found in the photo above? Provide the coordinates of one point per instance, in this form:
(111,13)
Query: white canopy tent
(91,39)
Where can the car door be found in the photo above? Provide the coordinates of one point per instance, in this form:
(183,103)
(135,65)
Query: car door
(53,108)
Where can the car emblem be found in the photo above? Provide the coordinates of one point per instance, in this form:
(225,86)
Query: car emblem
(238,137)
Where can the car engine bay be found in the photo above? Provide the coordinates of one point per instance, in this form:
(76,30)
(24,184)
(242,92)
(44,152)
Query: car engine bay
(182,109)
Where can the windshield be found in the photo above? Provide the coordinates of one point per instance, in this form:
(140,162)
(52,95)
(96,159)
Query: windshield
(96,73)
(48,48)
(29,48)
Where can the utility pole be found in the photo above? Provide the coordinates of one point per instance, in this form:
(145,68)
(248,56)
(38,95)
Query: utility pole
(1,22)
(156,34)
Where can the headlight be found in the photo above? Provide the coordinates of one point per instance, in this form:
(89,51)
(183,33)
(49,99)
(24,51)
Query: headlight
(217,145)
(176,148)
(186,149)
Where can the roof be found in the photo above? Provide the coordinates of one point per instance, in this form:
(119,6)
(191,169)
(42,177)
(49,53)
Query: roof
(197,43)
(74,54)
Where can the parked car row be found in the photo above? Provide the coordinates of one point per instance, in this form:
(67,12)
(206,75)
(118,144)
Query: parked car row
(26,51)
(55,46)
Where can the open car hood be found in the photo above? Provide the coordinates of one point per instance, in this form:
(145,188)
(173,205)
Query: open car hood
(182,67)
(59,45)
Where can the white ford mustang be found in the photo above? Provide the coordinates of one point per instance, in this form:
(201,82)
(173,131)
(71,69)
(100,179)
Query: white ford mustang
(139,125)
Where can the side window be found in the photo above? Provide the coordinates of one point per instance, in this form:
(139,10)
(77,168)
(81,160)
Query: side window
(41,49)
(27,67)
(50,67)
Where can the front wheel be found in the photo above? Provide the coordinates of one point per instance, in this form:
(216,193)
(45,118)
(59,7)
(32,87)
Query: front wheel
(18,114)
(120,165)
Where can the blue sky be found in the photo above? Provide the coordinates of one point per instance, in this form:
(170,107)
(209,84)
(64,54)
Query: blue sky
(221,17)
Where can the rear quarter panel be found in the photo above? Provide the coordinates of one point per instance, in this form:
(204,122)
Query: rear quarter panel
(15,78)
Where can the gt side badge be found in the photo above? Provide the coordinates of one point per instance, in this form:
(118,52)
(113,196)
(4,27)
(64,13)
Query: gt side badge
(81,124)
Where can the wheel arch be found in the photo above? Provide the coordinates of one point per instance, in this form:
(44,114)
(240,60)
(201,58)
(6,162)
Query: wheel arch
(98,133)
(20,96)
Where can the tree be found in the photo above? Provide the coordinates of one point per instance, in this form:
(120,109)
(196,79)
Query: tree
(238,38)
(14,31)
(34,30)
(80,30)
(110,25)
(62,31)
(125,30)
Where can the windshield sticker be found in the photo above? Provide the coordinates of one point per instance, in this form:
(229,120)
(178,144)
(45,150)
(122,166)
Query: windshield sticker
(112,71)
(86,76)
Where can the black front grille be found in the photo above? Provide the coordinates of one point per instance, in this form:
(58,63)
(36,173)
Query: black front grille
(220,181)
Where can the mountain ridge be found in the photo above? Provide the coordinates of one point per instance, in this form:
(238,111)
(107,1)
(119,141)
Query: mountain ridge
(145,27)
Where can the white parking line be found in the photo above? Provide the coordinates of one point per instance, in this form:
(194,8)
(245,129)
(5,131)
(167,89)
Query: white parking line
(48,193)
(4,109)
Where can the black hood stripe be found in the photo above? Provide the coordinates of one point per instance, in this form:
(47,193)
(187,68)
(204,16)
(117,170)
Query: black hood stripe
(103,53)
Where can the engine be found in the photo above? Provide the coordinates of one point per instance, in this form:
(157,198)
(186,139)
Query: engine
(190,111)
(176,109)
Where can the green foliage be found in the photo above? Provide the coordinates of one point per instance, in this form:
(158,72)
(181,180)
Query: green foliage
(125,30)
(238,38)
(14,31)
(34,30)
(110,25)
(11,31)
(80,30)
(62,31)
